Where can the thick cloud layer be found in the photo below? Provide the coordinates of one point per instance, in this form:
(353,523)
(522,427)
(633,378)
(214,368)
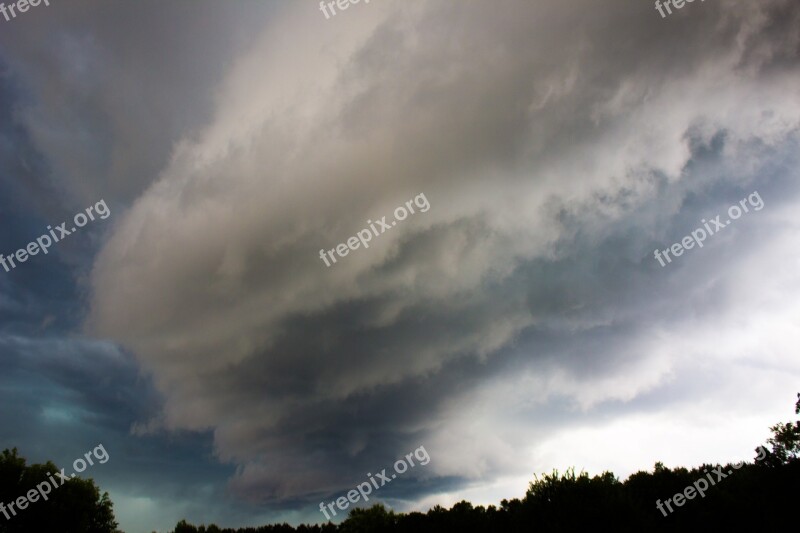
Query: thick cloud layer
(558,144)
(106,88)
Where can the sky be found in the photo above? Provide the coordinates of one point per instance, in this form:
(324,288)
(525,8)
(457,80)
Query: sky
(517,321)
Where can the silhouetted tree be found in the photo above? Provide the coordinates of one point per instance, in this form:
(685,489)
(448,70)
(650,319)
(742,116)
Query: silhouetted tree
(785,441)
(184,527)
(375,518)
(74,507)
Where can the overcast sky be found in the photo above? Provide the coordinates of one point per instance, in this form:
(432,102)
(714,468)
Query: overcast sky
(520,324)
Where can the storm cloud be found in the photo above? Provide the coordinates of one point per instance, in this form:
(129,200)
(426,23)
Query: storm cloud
(558,144)
(520,324)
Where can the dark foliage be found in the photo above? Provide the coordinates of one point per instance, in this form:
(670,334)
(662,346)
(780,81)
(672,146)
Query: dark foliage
(74,507)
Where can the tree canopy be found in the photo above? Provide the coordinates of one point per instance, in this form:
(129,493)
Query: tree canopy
(76,506)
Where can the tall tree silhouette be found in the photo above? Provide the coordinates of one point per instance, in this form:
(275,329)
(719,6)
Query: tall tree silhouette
(785,441)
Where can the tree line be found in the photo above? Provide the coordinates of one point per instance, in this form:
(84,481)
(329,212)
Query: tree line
(758,495)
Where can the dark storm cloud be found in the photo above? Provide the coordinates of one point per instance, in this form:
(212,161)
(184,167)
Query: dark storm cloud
(61,396)
(101,381)
(106,89)
(558,144)
(93,96)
